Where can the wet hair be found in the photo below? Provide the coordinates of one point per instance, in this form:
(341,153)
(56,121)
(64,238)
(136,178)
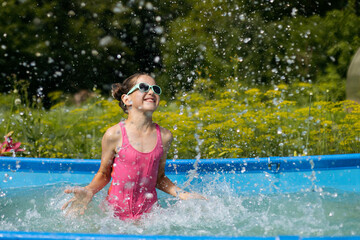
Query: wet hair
(118,89)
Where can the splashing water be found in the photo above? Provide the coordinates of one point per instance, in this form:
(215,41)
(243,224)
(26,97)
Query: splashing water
(193,173)
(226,213)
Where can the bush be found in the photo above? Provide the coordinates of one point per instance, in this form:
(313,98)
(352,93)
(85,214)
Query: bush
(232,121)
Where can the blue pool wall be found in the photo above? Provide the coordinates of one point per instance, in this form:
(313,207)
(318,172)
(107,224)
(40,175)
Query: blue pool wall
(255,175)
(269,164)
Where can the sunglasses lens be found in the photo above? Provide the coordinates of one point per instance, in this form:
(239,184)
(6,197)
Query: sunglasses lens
(144,87)
(156,89)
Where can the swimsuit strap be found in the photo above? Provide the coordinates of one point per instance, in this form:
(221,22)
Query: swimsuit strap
(125,140)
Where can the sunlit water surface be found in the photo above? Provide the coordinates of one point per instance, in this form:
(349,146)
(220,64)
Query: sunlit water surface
(324,212)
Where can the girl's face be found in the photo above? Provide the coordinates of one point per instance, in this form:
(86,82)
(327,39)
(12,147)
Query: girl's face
(144,101)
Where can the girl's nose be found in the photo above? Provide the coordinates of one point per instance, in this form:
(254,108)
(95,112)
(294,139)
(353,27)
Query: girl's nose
(151,91)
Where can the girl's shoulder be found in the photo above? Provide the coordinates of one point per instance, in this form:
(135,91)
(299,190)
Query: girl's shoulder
(166,134)
(113,133)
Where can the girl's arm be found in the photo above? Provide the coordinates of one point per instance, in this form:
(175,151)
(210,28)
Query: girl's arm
(163,182)
(83,195)
(103,176)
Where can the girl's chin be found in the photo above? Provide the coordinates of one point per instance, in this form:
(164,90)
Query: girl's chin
(148,108)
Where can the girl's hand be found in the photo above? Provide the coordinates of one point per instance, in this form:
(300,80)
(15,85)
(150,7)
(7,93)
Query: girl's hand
(80,201)
(188,196)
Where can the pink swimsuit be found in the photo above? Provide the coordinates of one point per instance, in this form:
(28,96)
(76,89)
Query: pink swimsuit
(134,176)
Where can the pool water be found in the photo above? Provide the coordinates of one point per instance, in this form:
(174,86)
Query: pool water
(237,205)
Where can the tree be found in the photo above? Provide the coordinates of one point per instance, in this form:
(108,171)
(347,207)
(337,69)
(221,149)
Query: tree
(236,39)
(74,45)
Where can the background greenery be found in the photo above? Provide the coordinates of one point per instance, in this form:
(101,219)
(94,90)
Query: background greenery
(232,121)
(68,46)
(237,74)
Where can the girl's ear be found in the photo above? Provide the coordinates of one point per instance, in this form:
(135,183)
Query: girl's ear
(126,100)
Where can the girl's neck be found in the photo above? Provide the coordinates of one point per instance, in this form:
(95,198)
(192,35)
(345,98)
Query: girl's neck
(140,121)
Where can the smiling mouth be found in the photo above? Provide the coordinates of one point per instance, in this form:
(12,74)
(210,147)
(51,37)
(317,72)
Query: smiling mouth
(149,100)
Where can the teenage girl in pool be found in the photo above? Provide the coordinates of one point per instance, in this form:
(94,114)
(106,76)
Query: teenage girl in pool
(133,155)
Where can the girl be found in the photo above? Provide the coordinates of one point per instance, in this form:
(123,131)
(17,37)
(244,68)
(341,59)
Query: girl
(133,155)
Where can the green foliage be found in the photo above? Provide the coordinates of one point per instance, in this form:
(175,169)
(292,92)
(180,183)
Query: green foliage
(248,122)
(63,131)
(221,40)
(68,46)
(225,122)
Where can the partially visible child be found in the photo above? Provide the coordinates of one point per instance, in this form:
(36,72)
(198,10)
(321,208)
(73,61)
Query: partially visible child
(133,155)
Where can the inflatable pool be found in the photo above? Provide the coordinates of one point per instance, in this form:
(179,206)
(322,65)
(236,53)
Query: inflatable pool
(269,198)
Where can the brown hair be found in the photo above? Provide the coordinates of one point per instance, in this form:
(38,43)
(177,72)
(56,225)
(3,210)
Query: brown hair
(118,89)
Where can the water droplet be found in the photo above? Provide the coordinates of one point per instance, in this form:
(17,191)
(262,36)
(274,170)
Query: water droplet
(71,13)
(94,52)
(246,40)
(149,6)
(157,59)
(294,12)
(6,177)
(159,30)
(129,185)
(149,195)
(105,41)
